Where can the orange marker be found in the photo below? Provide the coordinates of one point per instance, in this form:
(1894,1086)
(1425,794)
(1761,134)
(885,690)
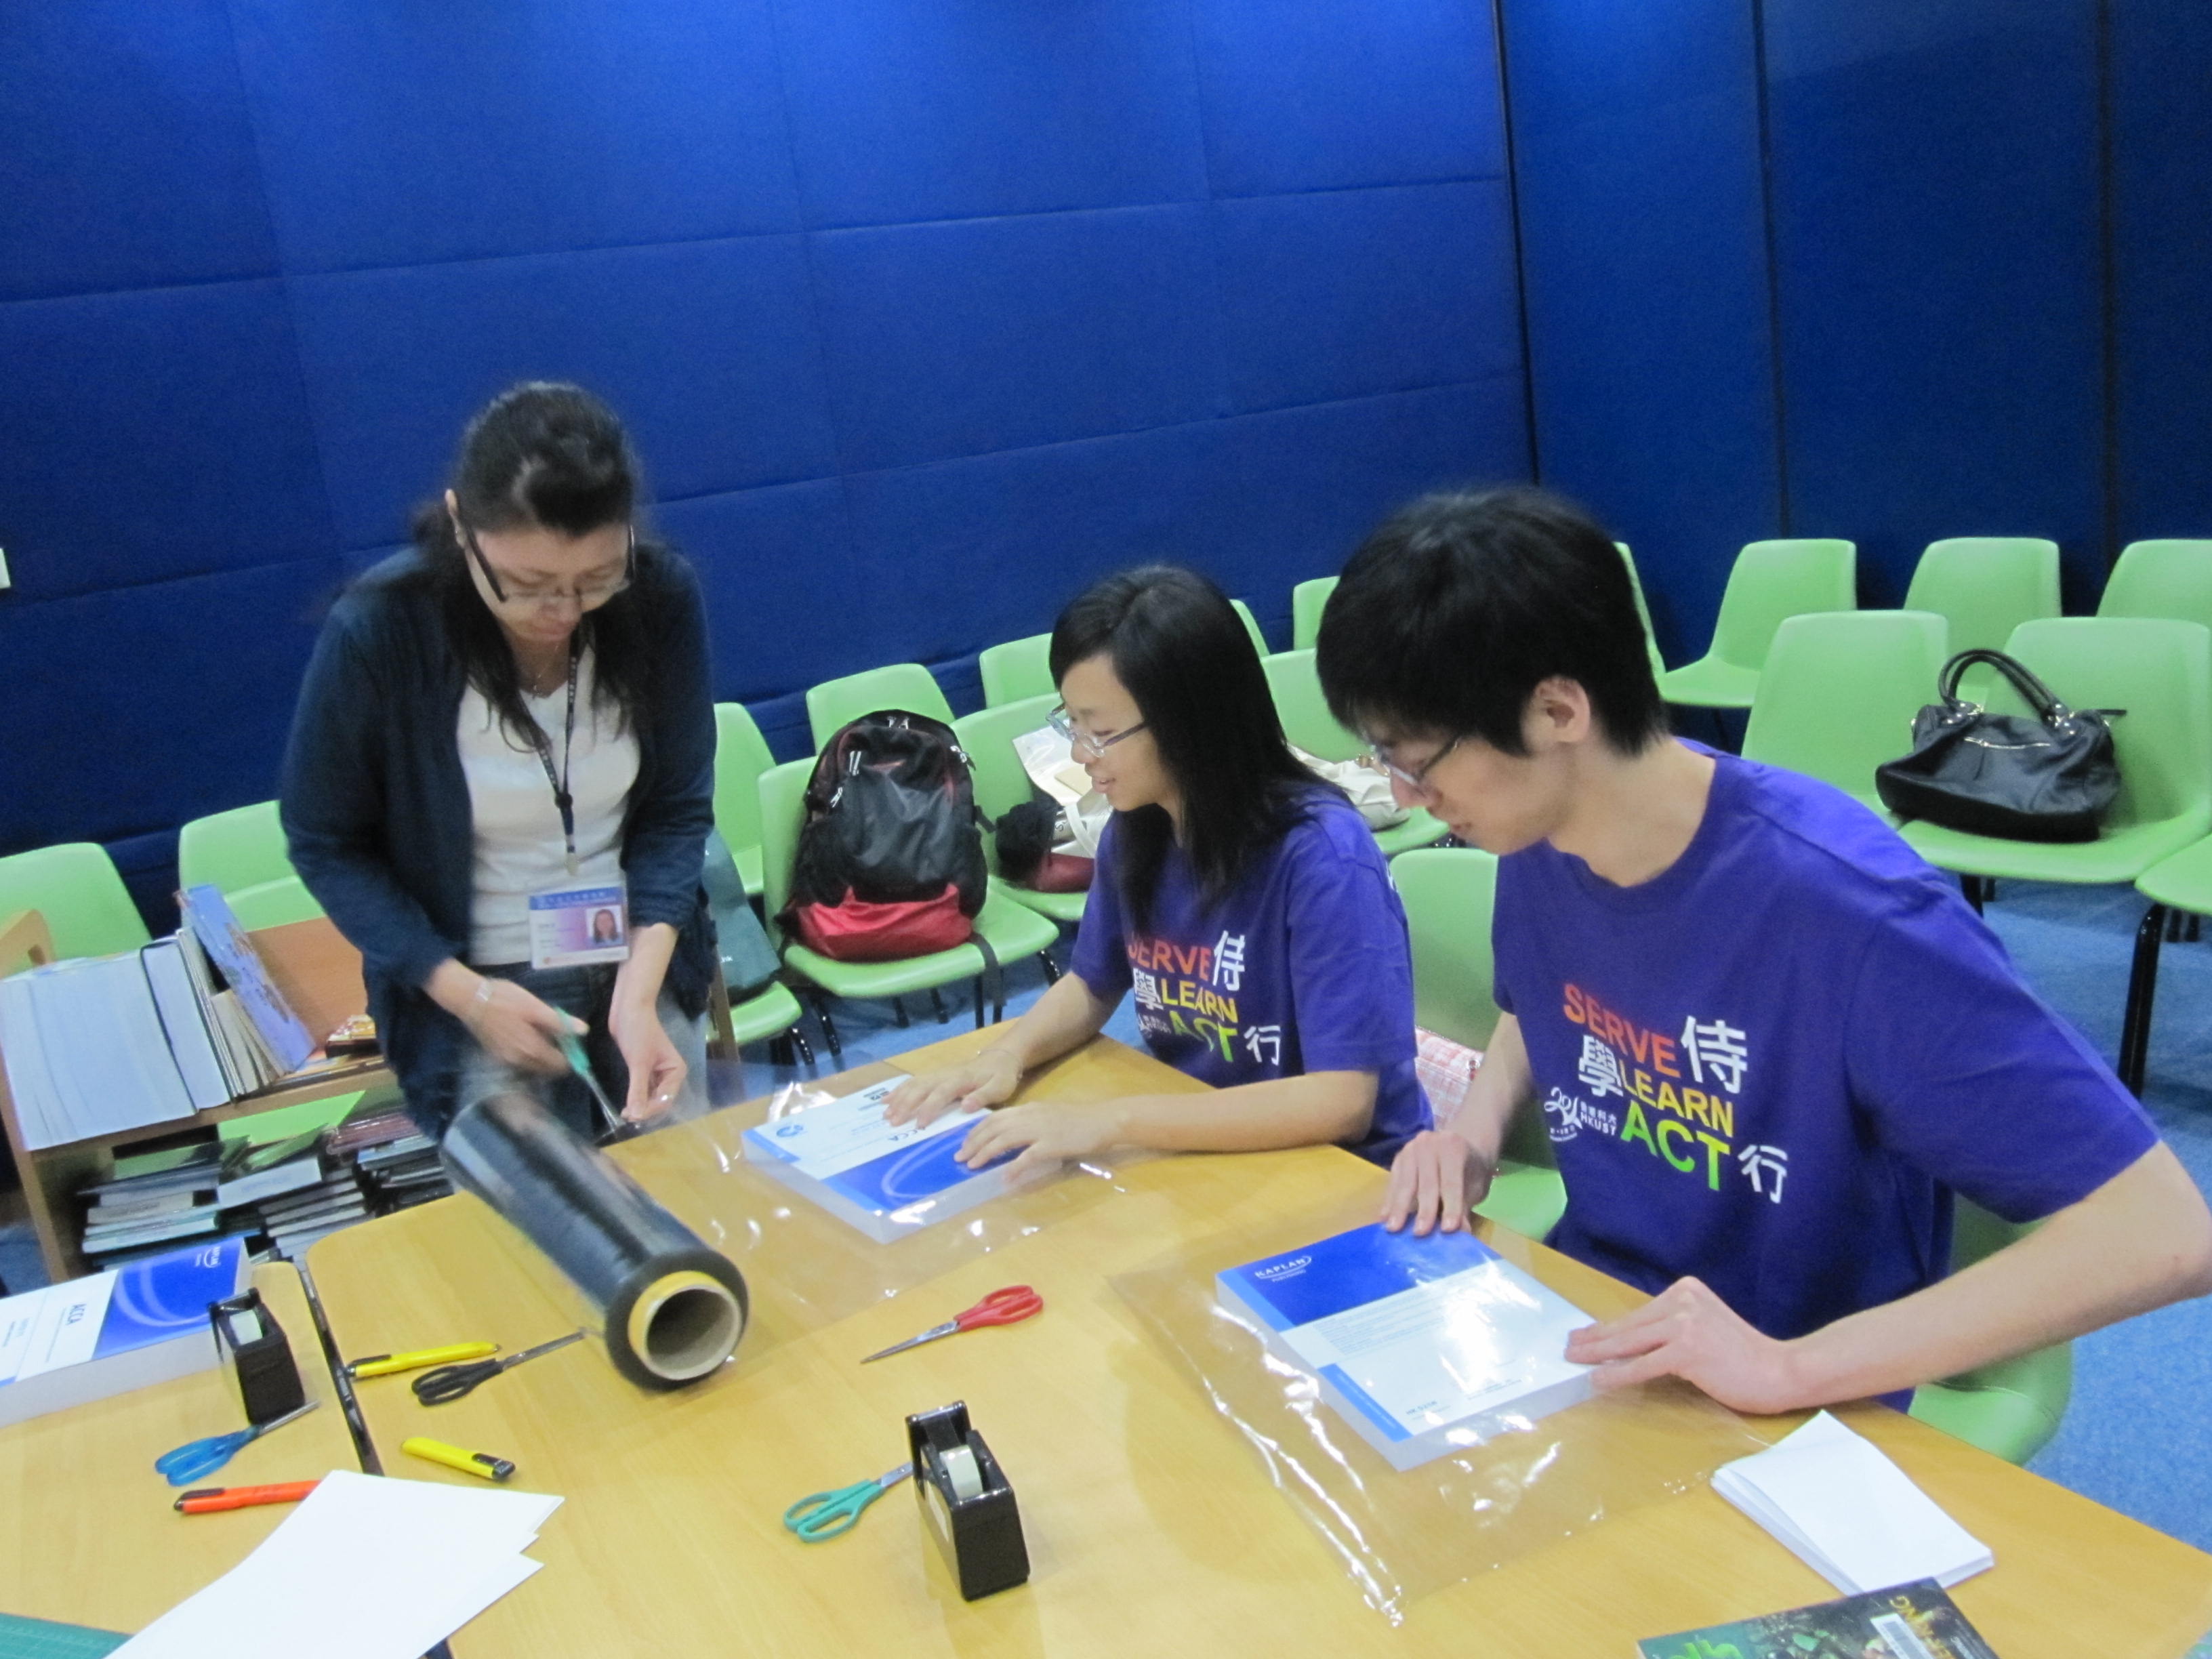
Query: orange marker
(208,1499)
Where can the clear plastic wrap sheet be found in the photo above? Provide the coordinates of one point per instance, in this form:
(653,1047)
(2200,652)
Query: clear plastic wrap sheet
(805,1266)
(1403,1534)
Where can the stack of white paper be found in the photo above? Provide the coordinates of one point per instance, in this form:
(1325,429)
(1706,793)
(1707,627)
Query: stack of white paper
(366,1568)
(1849,1513)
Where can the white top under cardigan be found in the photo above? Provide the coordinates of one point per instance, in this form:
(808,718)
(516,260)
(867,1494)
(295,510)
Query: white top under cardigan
(518,845)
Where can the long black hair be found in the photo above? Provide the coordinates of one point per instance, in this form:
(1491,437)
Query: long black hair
(1183,654)
(544,454)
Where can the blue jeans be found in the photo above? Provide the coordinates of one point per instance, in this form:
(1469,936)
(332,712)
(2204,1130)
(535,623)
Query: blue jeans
(587,992)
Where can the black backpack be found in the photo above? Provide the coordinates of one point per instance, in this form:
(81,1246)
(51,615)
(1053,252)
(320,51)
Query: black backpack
(890,865)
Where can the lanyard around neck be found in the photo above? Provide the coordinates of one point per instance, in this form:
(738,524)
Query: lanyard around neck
(544,744)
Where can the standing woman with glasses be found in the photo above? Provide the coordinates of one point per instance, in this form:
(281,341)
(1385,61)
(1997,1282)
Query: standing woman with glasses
(1241,899)
(500,779)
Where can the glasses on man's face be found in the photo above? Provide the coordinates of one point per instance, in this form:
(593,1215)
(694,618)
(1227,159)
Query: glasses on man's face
(1062,722)
(1414,777)
(520,596)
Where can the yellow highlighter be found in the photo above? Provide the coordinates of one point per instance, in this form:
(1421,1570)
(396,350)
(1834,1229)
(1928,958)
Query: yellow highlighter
(483,1465)
(384,1365)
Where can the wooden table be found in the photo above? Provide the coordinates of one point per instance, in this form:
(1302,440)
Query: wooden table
(87,1535)
(1152,1526)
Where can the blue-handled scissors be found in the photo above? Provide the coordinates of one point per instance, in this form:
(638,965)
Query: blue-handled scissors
(197,1458)
(824,1514)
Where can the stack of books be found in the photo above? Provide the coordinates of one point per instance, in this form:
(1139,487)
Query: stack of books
(397,1164)
(153,1201)
(102,1045)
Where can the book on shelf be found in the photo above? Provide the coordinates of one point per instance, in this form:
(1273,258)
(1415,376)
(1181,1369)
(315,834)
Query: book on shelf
(1911,1621)
(269,1016)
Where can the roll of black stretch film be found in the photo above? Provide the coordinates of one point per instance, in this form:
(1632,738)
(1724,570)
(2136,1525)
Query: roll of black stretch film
(672,1310)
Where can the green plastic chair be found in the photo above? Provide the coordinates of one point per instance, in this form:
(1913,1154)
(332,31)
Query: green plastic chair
(1643,610)
(2161,673)
(2167,579)
(1002,783)
(1307,601)
(272,903)
(2180,883)
(1770,580)
(741,754)
(905,685)
(234,850)
(75,888)
(1840,691)
(1984,586)
(1307,722)
(2011,1407)
(1448,892)
(1251,627)
(1013,930)
(774,1012)
(1017,670)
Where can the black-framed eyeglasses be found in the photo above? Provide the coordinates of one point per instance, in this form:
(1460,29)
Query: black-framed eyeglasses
(1416,778)
(1063,723)
(587,595)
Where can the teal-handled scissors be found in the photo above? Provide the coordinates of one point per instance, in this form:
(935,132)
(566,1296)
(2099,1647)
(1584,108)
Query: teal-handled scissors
(821,1516)
(197,1458)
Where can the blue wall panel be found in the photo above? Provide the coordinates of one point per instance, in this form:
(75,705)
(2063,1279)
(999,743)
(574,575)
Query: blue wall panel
(955,339)
(128,160)
(132,710)
(706,348)
(1636,134)
(411,132)
(153,435)
(1344,294)
(1312,95)
(921,316)
(2162,156)
(961,108)
(1936,223)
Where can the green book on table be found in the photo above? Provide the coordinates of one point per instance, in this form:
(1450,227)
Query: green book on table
(37,1639)
(1911,1621)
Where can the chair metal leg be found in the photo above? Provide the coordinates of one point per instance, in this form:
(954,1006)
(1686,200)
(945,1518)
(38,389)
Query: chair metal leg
(898,1011)
(978,1002)
(2143,990)
(779,1049)
(1051,967)
(828,1029)
(938,1003)
(2195,928)
(1971,887)
(2175,922)
(805,1049)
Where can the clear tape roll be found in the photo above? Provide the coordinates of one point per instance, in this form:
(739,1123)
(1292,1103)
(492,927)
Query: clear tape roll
(961,1469)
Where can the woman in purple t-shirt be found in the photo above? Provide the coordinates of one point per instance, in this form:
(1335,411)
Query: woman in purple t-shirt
(1241,899)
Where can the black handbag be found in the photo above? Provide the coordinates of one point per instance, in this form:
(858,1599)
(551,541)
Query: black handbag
(2051,778)
(748,964)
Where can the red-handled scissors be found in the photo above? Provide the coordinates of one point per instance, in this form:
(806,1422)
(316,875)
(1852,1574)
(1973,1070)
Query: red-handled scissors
(1007,1307)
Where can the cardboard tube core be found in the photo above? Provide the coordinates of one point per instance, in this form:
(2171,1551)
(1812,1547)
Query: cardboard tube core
(684,1325)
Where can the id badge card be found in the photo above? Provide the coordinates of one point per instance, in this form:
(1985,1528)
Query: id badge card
(578,924)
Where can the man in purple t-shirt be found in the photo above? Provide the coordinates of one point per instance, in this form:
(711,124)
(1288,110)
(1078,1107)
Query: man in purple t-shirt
(1768,1042)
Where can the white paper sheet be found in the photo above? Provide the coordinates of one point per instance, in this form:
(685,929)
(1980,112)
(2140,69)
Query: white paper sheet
(1849,1513)
(366,1568)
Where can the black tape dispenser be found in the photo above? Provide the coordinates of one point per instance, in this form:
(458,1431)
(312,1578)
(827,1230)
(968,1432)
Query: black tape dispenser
(254,1349)
(966,1502)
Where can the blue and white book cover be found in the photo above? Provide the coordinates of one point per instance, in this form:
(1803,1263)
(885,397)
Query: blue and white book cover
(1425,1346)
(90,1338)
(887,1181)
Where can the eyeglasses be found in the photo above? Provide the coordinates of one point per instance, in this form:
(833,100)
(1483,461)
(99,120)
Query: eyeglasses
(1416,779)
(1061,722)
(586,594)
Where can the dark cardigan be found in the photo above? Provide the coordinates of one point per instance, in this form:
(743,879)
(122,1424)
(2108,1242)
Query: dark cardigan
(376,808)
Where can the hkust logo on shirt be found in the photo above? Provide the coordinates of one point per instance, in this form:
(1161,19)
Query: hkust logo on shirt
(1190,991)
(1676,1094)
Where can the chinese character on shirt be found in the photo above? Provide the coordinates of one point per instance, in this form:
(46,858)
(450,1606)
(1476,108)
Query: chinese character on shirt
(1229,961)
(1600,1070)
(1770,1162)
(1718,1049)
(1269,1037)
(1146,988)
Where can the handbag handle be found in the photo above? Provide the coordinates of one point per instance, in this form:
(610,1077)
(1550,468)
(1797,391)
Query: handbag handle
(2032,691)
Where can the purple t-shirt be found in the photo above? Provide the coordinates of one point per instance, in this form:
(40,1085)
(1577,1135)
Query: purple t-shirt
(1771,1065)
(1303,966)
